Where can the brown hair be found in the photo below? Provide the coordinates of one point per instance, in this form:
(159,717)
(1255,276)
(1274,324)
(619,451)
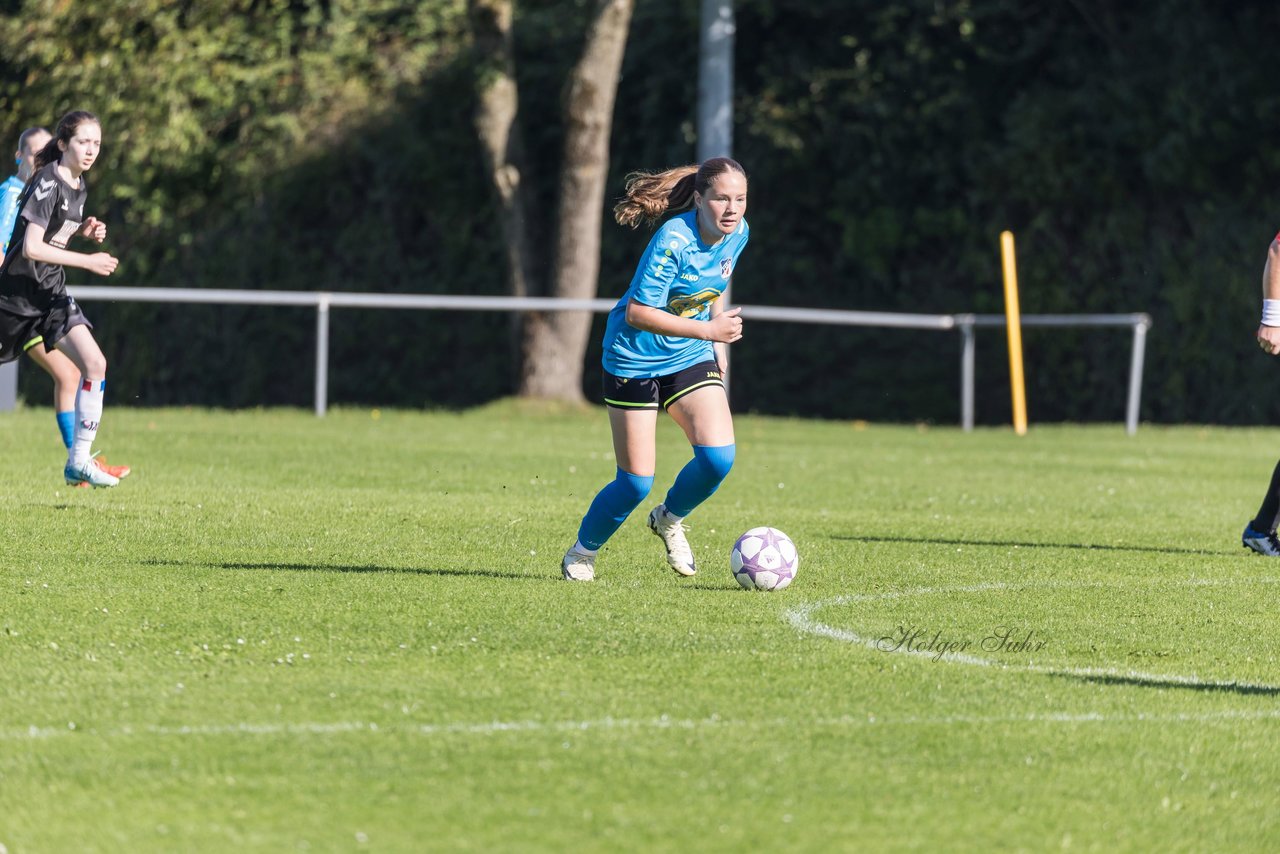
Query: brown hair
(26,135)
(649,195)
(67,127)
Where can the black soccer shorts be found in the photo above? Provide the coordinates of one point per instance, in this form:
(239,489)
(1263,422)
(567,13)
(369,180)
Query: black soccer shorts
(18,334)
(652,392)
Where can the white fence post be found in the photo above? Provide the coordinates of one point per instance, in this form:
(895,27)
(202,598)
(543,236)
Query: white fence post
(322,354)
(968,346)
(1134,404)
(8,386)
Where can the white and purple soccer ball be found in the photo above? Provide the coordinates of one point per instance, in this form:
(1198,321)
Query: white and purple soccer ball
(764,559)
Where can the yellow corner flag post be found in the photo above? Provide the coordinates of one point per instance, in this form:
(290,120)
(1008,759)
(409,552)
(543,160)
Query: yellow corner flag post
(1014,317)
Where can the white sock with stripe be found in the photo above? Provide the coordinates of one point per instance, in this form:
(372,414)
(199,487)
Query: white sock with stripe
(88,414)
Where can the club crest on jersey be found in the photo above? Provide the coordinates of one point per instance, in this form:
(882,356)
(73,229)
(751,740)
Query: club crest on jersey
(726,267)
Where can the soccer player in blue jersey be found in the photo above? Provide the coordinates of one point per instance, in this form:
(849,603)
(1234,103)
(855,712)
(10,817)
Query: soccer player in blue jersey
(665,348)
(30,141)
(1260,533)
(34,303)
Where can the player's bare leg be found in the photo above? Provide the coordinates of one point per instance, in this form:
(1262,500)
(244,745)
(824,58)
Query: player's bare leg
(704,416)
(66,381)
(79,346)
(634,434)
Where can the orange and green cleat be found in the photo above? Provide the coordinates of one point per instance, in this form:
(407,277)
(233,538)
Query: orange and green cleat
(100,463)
(120,472)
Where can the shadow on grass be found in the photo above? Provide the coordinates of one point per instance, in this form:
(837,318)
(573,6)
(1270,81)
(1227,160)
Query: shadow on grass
(323,567)
(1185,685)
(32,505)
(940,541)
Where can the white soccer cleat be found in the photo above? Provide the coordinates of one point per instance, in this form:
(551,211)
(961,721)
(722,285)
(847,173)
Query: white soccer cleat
(88,472)
(679,555)
(578,567)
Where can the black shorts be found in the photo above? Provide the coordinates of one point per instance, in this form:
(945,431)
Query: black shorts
(18,333)
(652,392)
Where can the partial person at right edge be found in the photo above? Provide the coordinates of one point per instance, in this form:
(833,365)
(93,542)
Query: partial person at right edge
(1260,534)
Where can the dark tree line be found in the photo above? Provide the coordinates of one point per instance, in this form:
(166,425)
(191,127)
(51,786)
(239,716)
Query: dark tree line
(307,145)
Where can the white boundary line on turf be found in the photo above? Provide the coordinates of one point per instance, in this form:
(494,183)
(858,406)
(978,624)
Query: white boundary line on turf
(802,619)
(616,724)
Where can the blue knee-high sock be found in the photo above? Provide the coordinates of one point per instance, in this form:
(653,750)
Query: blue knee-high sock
(700,477)
(611,506)
(66,426)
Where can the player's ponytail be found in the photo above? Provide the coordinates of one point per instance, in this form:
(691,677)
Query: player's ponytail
(65,132)
(649,195)
(49,154)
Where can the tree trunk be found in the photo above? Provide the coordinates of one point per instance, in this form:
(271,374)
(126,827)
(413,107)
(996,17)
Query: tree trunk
(500,140)
(555,342)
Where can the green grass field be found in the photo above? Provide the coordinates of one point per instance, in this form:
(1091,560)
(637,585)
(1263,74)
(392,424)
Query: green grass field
(285,633)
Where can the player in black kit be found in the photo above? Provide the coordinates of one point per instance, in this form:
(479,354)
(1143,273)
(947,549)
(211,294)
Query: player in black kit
(34,302)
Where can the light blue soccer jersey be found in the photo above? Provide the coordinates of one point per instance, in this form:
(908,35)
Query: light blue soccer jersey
(10,190)
(680,274)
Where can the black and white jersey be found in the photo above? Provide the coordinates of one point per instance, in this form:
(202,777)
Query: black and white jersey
(26,286)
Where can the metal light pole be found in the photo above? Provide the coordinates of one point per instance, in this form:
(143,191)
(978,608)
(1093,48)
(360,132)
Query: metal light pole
(715,80)
(715,91)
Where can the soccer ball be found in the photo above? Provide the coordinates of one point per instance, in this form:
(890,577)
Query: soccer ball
(764,559)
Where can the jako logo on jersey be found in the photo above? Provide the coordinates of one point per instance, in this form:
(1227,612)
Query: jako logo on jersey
(689,277)
(726,267)
(691,305)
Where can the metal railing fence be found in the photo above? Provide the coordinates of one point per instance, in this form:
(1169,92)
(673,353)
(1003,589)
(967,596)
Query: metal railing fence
(324,301)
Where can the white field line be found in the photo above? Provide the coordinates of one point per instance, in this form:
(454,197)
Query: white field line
(802,619)
(369,728)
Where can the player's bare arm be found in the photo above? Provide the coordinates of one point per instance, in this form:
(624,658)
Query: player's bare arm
(34,247)
(1269,330)
(725,327)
